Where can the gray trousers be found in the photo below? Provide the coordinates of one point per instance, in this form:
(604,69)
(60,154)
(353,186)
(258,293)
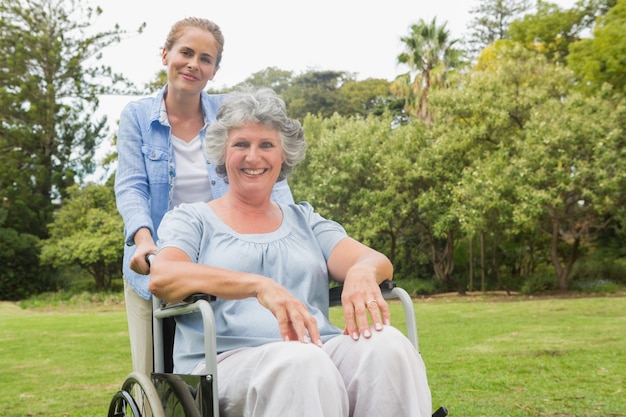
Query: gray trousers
(139,316)
(381,376)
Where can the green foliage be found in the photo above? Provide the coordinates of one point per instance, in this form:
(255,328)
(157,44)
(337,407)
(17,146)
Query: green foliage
(361,173)
(431,54)
(86,232)
(491,21)
(525,151)
(326,93)
(550,30)
(49,95)
(422,287)
(50,79)
(539,282)
(573,170)
(602,58)
(598,267)
(74,300)
(315,92)
(277,79)
(19,258)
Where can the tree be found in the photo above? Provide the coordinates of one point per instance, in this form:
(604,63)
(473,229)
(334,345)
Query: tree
(491,21)
(602,58)
(160,79)
(536,155)
(361,172)
(572,164)
(277,79)
(86,232)
(50,88)
(370,96)
(551,30)
(476,119)
(315,92)
(19,257)
(430,54)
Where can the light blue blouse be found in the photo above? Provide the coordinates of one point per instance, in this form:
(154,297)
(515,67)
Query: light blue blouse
(294,255)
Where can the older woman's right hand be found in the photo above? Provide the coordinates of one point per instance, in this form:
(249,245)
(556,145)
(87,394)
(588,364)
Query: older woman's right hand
(294,320)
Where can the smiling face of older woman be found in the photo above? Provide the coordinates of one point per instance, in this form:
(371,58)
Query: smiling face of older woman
(253,159)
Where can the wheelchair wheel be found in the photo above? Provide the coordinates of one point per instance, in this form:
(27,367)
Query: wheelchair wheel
(137,398)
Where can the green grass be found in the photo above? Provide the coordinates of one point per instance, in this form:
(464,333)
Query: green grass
(493,358)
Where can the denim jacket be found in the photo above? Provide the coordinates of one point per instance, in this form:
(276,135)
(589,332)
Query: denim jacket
(146,170)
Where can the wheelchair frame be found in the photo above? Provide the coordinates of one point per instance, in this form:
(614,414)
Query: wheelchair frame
(197,395)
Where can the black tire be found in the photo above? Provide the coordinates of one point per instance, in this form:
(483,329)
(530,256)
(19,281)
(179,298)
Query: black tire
(178,400)
(137,398)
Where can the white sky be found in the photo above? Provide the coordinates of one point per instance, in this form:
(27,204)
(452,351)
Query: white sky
(359,36)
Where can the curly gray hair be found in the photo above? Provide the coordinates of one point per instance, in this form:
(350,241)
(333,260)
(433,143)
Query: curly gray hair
(262,106)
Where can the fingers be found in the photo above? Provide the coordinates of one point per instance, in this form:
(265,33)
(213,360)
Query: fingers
(296,325)
(294,319)
(357,313)
(138,262)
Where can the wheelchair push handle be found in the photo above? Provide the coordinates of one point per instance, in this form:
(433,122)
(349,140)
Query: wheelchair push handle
(150,257)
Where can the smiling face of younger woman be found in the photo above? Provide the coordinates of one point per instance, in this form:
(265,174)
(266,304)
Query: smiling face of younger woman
(191,61)
(253,159)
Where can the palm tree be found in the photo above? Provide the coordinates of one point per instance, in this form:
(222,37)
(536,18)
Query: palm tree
(430,54)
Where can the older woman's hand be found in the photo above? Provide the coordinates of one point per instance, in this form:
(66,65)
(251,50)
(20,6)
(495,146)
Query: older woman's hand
(361,297)
(294,320)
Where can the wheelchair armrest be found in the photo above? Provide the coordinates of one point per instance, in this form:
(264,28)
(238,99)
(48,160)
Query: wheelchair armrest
(189,300)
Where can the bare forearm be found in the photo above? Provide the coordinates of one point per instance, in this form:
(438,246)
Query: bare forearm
(175,280)
(351,258)
(174,277)
(373,264)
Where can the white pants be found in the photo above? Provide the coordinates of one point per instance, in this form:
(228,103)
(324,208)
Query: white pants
(139,316)
(377,377)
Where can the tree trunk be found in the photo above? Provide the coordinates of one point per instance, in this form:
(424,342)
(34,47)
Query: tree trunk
(562,271)
(482,261)
(443,261)
(470,286)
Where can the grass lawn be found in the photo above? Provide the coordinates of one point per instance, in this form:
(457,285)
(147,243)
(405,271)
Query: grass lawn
(485,357)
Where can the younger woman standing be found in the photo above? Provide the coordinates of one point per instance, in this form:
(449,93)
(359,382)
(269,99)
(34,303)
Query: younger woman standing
(161,163)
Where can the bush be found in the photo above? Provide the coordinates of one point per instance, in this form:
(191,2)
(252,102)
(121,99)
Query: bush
(538,282)
(20,273)
(73,299)
(598,286)
(598,267)
(417,287)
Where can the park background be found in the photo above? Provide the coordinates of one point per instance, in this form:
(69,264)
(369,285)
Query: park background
(487,160)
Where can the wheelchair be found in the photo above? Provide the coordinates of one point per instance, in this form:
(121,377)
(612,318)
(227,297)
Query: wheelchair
(166,394)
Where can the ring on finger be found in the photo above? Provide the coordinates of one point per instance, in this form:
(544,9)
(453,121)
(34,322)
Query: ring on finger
(373,300)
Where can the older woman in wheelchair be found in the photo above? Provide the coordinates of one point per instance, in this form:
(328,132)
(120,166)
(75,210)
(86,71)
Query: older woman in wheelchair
(268,265)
